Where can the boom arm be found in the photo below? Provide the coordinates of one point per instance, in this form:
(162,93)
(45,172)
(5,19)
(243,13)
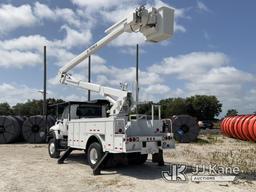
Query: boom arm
(155,24)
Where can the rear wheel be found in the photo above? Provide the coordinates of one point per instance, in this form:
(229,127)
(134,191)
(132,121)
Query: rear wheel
(53,149)
(94,154)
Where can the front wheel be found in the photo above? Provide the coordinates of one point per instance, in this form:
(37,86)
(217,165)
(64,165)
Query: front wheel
(53,149)
(94,154)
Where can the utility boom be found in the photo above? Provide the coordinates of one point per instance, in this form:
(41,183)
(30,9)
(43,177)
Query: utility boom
(155,24)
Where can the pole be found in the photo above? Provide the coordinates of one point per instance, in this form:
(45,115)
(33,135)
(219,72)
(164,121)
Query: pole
(45,77)
(89,76)
(137,77)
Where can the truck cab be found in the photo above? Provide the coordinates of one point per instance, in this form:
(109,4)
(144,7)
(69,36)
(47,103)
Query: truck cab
(67,111)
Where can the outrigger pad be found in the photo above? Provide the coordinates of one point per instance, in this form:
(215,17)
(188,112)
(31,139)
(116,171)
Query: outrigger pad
(158,158)
(65,155)
(98,166)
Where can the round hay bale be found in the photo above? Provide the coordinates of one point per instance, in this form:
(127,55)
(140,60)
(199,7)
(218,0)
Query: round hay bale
(35,128)
(51,120)
(20,120)
(185,128)
(9,129)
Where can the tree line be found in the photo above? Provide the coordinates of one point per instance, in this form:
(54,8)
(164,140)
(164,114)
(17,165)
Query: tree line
(203,107)
(28,108)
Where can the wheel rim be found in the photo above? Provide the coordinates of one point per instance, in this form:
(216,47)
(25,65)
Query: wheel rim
(93,156)
(52,148)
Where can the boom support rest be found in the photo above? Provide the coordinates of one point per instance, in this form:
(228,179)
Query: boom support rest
(65,155)
(98,166)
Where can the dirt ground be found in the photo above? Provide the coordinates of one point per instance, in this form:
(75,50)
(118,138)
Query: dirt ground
(27,167)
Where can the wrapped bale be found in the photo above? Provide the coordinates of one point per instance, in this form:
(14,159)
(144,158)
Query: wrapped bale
(51,120)
(35,128)
(20,120)
(184,128)
(10,129)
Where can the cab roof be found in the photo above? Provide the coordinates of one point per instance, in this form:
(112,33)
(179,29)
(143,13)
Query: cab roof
(93,102)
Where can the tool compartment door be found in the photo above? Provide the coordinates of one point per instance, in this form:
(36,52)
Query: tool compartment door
(70,134)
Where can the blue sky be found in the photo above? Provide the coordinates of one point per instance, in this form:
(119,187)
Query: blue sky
(212,51)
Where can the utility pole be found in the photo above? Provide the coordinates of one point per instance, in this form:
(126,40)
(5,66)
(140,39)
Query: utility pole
(89,76)
(137,78)
(45,78)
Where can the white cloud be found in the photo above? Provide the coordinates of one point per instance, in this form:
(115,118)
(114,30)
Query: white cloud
(118,14)
(74,38)
(68,15)
(179,28)
(30,47)
(202,68)
(190,65)
(132,50)
(17,93)
(157,89)
(209,73)
(14,93)
(201,6)
(18,59)
(129,39)
(227,75)
(114,76)
(96,4)
(24,43)
(12,17)
(43,11)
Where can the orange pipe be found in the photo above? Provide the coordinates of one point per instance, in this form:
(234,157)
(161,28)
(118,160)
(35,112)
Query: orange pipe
(226,126)
(245,128)
(252,128)
(235,133)
(240,127)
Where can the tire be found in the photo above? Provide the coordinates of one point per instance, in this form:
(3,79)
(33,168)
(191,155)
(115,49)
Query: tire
(53,149)
(94,154)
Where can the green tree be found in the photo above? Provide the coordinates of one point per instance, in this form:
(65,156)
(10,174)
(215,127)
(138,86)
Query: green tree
(231,112)
(144,108)
(5,109)
(203,107)
(173,106)
(34,107)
